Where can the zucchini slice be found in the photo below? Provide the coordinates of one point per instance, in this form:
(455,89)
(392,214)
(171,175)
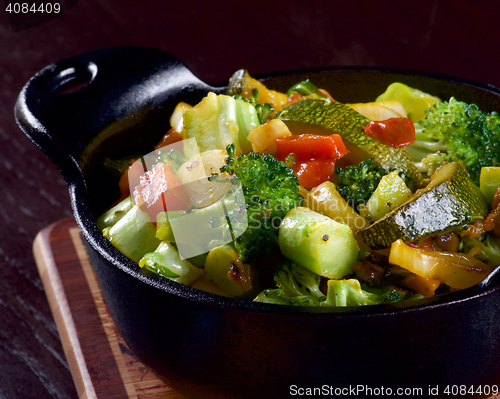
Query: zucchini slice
(450,200)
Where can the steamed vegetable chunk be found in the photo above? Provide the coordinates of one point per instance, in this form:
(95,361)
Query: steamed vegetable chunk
(311,156)
(318,243)
(456,270)
(218,121)
(113,215)
(224,267)
(263,137)
(380,110)
(489,181)
(297,199)
(325,199)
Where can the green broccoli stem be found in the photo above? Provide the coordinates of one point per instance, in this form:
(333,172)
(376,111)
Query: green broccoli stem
(263,110)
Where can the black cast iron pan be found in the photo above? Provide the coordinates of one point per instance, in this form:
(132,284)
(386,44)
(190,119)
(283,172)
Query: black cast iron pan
(116,102)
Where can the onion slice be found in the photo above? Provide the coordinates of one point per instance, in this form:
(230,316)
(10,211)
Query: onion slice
(454,269)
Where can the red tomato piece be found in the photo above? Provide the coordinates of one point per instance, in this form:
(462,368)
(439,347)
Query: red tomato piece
(394,132)
(313,173)
(295,97)
(311,146)
(323,91)
(160,190)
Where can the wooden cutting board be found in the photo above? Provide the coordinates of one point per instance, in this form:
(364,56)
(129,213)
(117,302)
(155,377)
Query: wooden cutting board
(101,363)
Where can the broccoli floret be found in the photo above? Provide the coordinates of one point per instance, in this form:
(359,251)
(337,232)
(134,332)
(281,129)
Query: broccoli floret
(299,286)
(457,131)
(296,285)
(270,190)
(356,183)
(349,293)
(297,280)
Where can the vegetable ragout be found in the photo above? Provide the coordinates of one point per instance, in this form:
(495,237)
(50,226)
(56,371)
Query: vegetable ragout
(297,199)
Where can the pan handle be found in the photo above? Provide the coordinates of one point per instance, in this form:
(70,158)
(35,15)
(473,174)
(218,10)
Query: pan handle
(64,105)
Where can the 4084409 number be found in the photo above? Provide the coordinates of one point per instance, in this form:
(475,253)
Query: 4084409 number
(32,8)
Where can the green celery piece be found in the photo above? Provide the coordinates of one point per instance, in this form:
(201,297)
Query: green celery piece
(246,121)
(216,122)
(114,214)
(166,261)
(133,234)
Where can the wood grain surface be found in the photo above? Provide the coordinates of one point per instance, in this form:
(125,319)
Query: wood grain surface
(456,37)
(102,365)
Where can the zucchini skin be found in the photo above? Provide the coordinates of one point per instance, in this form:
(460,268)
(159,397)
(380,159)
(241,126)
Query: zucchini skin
(339,118)
(450,201)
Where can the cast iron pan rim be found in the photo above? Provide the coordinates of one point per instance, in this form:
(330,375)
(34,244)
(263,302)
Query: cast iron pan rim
(382,70)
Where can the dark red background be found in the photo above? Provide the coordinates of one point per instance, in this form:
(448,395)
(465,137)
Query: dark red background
(214,38)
